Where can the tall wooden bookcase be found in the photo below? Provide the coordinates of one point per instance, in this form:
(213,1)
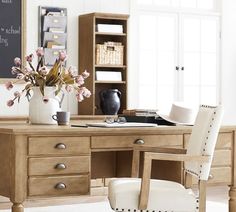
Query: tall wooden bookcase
(89,37)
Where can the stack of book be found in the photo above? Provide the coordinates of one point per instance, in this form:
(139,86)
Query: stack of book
(140,112)
(140,115)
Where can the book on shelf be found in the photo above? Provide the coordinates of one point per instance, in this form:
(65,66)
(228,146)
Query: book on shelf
(140,112)
(110,28)
(108,76)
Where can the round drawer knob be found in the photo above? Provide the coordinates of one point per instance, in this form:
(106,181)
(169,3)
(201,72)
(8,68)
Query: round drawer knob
(60,146)
(60,166)
(60,186)
(139,141)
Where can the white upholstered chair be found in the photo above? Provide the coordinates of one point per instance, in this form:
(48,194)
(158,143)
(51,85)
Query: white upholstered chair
(145,195)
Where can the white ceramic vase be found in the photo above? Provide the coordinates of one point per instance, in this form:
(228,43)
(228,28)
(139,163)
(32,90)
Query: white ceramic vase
(42,108)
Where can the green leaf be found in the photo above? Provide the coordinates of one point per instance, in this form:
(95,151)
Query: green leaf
(58,89)
(28,95)
(53,74)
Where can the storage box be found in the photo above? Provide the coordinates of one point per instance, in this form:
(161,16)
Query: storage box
(110,28)
(108,76)
(110,53)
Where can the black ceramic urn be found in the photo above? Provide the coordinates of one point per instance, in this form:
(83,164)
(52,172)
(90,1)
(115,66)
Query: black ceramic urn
(110,101)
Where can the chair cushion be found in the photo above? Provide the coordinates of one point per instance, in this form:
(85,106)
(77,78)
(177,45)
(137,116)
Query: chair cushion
(164,196)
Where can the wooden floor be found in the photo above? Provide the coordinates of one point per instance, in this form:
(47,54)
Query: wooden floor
(215,195)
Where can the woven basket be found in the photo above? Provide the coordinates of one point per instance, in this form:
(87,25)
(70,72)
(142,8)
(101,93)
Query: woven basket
(109,53)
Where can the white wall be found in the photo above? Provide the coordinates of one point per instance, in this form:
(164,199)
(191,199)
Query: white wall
(77,7)
(228,68)
(74,8)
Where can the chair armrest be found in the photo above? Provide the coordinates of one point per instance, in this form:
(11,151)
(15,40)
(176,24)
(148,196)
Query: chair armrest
(176,157)
(160,149)
(148,157)
(138,149)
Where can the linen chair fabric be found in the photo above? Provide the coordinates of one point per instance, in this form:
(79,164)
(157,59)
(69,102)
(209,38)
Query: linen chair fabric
(203,139)
(125,194)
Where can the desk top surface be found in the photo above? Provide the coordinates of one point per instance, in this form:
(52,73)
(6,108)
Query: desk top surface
(24,128)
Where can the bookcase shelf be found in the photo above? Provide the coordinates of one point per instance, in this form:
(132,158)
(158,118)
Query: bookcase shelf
(110,66)
(90,37)
(109,34)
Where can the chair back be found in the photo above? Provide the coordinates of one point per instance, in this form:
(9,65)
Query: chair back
(203,139)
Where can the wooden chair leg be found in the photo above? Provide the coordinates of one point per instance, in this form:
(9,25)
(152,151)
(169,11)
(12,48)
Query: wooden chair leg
(188,180)
(145,185)
(202,195)
(135,163)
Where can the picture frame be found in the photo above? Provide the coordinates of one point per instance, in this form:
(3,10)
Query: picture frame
(12,36)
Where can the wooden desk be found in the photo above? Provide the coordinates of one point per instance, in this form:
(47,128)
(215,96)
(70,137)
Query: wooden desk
(60,161)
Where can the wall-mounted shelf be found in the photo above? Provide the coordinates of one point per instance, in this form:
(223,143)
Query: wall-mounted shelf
(52,32)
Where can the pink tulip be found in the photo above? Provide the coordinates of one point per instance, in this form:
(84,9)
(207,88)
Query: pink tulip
(72,71)
(9,85)
(68,88)
(17,94)
(79,80)
(62,55)
(15,70)
(20,76)
(40,52)
(86,92)
(29,58)
(44,70)
(17,61)
(10,103)
(85,74)
(79,97)
(27,70)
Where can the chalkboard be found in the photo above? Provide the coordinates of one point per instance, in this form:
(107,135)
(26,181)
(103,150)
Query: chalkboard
(11,46)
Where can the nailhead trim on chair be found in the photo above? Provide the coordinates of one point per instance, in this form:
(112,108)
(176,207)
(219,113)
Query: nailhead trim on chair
(204,148)
(135,210)
(208,132)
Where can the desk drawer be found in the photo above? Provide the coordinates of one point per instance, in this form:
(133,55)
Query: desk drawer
(59,165)
(224,140)
(222,157)
(220,175)
(58,145)
(48,186)
(129,141)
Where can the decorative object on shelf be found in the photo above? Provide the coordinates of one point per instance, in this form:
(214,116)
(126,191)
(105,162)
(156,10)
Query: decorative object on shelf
(110,53)
(46,85)
(109,76)
(110,101)
(110,28)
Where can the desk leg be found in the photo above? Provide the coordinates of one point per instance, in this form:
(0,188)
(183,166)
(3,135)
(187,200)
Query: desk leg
(232,199)
(17,207)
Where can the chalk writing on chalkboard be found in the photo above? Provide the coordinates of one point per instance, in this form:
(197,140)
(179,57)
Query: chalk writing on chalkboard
(6,1)
(10,35)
